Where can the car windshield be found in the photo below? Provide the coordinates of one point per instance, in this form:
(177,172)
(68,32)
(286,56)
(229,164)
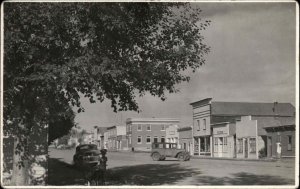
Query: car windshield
(87,147)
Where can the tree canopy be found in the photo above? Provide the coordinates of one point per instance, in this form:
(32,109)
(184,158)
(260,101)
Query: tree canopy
(54,52)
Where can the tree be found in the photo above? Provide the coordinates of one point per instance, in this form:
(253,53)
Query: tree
(54,52)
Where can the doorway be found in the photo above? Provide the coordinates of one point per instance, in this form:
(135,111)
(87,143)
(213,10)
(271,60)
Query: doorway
(246,148)
(269,151)
(220,147)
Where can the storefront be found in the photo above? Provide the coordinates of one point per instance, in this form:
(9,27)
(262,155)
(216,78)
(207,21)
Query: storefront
(202,146)
(223,140)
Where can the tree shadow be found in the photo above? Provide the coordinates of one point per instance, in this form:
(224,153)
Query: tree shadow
(243,178)
(62,173)
(149,174)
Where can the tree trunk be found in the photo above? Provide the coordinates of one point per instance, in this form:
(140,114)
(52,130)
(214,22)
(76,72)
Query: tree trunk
(20,173)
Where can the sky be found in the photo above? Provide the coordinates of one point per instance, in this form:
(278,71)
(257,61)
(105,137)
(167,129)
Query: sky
(252,59)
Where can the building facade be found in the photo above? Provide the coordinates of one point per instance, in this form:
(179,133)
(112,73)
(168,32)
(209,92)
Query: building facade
(212,119)
(223,136)
(141,132)
(281,138)
(99,136)
(116,137)
(172,134)
(186,139)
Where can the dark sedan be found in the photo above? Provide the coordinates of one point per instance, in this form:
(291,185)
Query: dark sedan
(86,155)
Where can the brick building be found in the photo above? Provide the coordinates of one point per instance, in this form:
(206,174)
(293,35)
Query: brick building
(141,132)
(186,139)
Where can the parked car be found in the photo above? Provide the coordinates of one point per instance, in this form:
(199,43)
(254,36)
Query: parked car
(86,156)
(162,150)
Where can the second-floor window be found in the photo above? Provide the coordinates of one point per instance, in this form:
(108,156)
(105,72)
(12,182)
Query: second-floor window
(198,125)
(204,124)
(148,139)
(139,140)
(139,127)
(163,128)
(148,127)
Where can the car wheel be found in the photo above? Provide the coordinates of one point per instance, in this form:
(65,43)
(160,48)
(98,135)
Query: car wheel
(181,157)
(155,156)
(162,158)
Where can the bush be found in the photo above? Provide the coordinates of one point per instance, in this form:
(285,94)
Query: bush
(262,153)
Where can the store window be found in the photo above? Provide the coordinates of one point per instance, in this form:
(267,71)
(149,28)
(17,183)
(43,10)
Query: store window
(289,147)
(252,145)
(215,144)
(225,144)
(139,141)
(240,146)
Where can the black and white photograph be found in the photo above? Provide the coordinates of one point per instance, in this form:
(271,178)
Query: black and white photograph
(163,94)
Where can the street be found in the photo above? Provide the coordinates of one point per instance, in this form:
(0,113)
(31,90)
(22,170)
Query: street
(127,168)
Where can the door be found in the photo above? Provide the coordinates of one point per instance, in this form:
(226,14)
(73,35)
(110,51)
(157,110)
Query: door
(269,146)
(246,148)
(220,146)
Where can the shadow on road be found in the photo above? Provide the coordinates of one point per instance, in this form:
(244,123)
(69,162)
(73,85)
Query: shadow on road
(149,174)
(61,173)
(243,178)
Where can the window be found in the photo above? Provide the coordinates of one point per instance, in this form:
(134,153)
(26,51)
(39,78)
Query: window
(148,127)
(278,139)
(216,145)
(252,145)
(224,144)
(198,124)
(240,146)
(139,140)
(204,124)
(139,127)
(155,139)
(289,147)
(163,128)
(148,139)
(162,139)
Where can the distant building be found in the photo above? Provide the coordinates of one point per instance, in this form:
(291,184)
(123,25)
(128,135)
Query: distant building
(117,137)
(281,137)
(141,132)
(172,134)
(87,138)
(213,126)
(99,136)
(186,139)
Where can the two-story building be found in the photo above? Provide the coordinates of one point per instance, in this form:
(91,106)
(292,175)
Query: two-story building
(116,137)
(141,132)
(186,138)
(214,129)
(99,136)
(172,134)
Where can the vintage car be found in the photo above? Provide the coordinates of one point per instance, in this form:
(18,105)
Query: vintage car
(86,156)
(162,150)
